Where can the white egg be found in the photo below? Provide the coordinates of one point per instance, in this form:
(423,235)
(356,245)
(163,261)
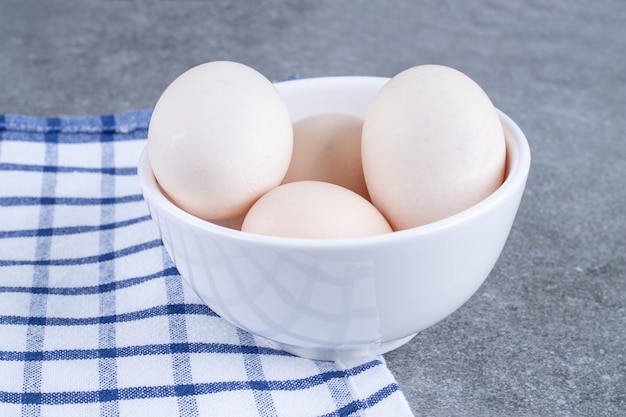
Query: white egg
(314,209)
(220,136)
(432,146)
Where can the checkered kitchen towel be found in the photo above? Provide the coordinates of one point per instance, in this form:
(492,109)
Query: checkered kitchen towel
(94,318)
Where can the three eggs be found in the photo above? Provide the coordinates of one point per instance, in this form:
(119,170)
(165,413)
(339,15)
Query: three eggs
(223,147)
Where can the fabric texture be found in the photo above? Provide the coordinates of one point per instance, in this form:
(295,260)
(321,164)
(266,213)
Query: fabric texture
(94,317)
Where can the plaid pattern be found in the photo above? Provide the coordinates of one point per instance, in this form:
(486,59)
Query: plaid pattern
(94,318)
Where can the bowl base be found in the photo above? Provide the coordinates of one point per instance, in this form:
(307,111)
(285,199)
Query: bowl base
(341,353)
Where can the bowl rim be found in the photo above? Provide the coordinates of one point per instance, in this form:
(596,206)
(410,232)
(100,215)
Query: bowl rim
(517,174)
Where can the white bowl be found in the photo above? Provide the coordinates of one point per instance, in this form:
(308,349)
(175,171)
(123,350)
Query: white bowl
(343,298)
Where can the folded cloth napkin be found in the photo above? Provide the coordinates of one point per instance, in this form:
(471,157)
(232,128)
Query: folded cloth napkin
(94,317)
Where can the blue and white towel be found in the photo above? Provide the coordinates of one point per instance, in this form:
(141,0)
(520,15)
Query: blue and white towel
(96,321)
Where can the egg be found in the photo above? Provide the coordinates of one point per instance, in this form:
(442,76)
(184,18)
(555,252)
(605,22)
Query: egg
(327,147)
(314,209)
(220,136)
(432,146)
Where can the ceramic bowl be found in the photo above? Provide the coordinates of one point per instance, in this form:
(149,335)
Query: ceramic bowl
(337,299)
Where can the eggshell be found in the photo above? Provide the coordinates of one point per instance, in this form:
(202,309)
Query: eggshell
(220,136)
(327,147)
(432,146)
(314,209)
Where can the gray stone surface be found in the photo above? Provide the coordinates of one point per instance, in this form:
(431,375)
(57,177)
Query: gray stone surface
(546,334)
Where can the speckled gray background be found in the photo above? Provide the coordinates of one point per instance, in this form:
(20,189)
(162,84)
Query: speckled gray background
(546,334)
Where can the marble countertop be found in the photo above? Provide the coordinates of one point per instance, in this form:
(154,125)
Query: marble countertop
(546,333)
